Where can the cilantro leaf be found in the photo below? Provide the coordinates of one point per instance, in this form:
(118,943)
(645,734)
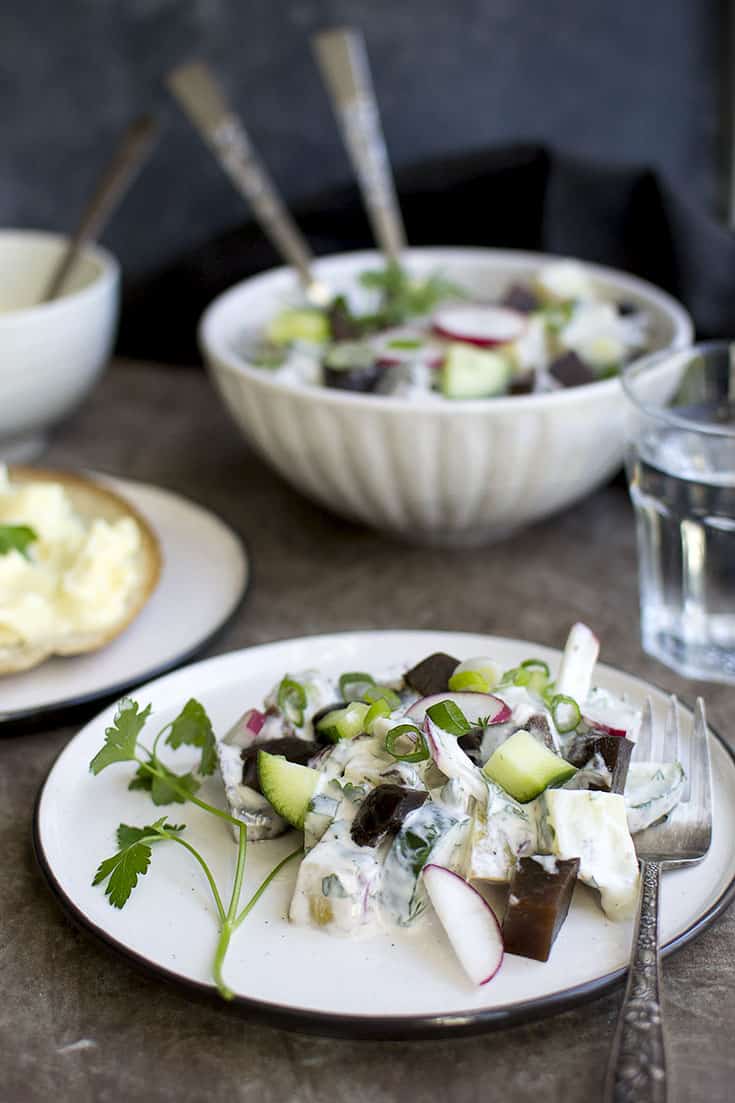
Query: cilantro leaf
(16,538)
(192,727)
(121,738)
(123,869)
(162,792)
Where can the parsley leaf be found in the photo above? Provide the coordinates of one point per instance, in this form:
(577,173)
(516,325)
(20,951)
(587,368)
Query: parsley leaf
(127,835)
(16,538)
(162,792)
(132,860)
(121,738)
(403,296)
(194,728)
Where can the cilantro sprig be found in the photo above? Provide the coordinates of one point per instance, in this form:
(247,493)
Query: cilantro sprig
(17,538)
(122,871)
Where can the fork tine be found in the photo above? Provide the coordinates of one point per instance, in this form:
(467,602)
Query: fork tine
(700,779)
(672,733)
(645,733)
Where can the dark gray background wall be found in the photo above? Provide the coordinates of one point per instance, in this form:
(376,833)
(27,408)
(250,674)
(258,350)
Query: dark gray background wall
(622,80)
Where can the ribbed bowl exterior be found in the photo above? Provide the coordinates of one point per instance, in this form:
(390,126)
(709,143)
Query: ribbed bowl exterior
(51,354)
(441,472)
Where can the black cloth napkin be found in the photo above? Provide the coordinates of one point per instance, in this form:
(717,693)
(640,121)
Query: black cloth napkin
(523,197)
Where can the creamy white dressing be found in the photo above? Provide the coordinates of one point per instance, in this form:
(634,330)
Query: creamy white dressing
(652,790)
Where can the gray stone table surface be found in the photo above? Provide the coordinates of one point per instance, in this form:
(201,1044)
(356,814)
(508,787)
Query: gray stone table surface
(78,1023)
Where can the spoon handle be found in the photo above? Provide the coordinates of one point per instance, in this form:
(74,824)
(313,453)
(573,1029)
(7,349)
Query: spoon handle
(343,61)
(126,162)
(204,102)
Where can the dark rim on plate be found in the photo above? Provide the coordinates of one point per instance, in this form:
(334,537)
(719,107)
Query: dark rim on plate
(374,1027)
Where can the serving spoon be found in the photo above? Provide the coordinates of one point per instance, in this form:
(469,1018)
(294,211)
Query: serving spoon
(343,61)
(203,101)
(127,161)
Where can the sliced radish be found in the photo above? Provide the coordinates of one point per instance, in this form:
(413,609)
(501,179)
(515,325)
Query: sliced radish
(599,726)
(246,730)
(479,325)
(470,923)
(578,662)
(452,760)
(406,346)
(475,707)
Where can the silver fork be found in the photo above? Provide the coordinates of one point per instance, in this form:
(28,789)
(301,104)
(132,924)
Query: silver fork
(637,1069)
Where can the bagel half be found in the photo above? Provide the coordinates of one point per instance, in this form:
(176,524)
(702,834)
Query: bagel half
(91,501)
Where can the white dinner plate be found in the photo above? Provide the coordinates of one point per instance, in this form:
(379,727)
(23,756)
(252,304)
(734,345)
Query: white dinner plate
(203,578)
(398,985)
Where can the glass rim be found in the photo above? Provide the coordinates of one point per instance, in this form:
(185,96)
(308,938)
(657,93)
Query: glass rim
(664,413)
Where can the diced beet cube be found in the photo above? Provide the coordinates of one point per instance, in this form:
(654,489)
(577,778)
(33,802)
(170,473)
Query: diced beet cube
(571,371)
(383,811)
(538,903)
(432,674)
(615,750)
(521,298)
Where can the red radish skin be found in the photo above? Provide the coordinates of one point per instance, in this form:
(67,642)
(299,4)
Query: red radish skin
(463,913)
(475,706)
(253,720)
(598,726)
(483,326)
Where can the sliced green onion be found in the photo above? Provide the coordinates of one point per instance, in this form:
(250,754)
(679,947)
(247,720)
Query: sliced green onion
(538,682)
(468,680)
(536,664)
(449,717)
(377,710)
(561,701)
(415,738)
(353,684)
(292,700)
(381,693)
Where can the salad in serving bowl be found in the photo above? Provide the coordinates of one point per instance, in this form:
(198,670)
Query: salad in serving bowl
(428,336)
(465,470)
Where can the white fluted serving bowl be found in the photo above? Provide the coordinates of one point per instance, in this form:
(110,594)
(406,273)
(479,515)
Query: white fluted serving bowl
(50,353)
(449,472)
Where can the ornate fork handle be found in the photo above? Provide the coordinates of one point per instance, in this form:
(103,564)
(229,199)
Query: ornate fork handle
(637,1069)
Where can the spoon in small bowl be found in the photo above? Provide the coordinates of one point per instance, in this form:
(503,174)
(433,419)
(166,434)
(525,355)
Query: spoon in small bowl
(205,104)
(127,161)
(343,61)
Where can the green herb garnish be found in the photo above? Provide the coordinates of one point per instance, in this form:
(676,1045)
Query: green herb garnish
(403,296)
(17,538)
(122,871)
(449,717)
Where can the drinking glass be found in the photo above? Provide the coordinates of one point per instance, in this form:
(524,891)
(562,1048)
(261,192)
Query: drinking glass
(681,474)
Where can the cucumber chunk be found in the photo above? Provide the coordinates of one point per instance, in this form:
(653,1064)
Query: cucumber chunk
(524,767)
(298,325)
(344,723)
(287,786)
(474,373)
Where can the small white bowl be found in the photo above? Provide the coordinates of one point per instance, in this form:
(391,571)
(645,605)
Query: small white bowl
(444,472)
(50,353)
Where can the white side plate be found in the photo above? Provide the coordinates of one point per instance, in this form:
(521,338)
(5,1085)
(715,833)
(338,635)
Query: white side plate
(205,573)
(402,986)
